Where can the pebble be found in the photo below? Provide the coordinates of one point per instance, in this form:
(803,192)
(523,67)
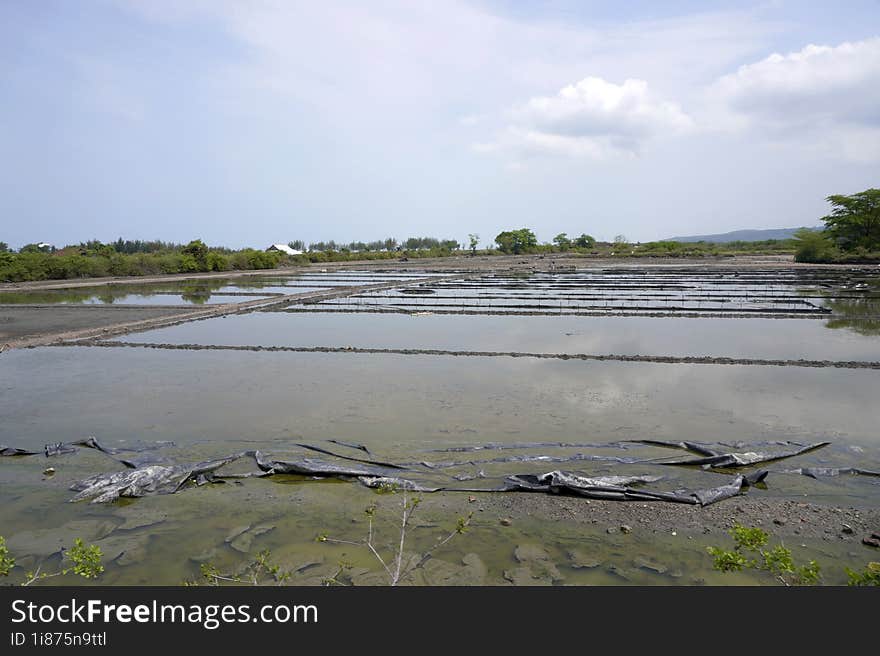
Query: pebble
(779,522)
(48,471)
(506,521)
(847,529)
(625,528)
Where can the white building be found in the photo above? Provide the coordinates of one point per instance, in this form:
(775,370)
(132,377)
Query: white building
(284,248)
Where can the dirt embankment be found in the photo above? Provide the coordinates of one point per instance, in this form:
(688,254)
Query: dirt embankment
(21,324)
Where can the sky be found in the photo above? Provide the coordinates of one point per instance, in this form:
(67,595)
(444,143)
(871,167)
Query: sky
(252,122)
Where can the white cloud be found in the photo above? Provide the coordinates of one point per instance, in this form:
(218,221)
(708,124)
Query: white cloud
(398,60)
(825,99)
(817,83)
(592,118)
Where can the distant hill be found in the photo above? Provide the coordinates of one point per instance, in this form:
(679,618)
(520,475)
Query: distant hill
(742,235)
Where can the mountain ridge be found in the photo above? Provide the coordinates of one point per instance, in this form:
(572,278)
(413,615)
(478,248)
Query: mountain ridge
(742,235)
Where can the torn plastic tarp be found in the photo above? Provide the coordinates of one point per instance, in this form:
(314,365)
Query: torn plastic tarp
(711,459)
(396,483)
(816,472)
(146,481)
(609,488)
(500,446)
(315,467)
(318,449)
(585,457)
(135,456)
(10,451)
(621,488)
(351,445)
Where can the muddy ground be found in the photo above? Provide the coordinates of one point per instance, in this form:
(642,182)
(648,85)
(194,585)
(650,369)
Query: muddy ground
(19,323)
(780,517)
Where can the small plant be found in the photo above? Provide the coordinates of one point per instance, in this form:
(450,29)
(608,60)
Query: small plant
(259,571)
(395,568)
(871,575)
(342,566)
(387,488)
(85,561)
(749,553)
(7,562)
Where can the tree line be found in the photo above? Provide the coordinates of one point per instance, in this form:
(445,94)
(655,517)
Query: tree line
(389,244)
(94,259)
(851,233)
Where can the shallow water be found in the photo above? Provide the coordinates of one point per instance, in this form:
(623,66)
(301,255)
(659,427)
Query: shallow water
(739,338)
(411,408)
(163,294)
(213,403)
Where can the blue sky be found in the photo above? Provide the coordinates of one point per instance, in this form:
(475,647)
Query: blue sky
(246,123)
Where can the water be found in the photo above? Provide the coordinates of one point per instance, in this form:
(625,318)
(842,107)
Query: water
(150,294)
(745,338)
(408,408)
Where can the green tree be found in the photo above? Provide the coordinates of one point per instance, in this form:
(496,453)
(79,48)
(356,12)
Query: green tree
(199,252)
(4,247)
(854,221)
(813,246)
(562,241)
(473,242)
(516,241)
(35,248)
(585,241)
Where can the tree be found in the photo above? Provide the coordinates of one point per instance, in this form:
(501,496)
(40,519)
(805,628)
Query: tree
(199,252)
(4,247)
(812,246)
(621,241)
(585,241)
(36,248)
(854,221)
(473,242)
(297,245)
(562,241)
(516,241)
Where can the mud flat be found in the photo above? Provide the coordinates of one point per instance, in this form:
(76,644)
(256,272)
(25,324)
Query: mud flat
(782,518)
(19,323)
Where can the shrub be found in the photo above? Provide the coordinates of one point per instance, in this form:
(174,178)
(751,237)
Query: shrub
(813,246)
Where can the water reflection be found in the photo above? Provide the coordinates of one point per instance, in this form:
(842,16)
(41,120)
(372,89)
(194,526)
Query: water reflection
(199,292)
(861,313)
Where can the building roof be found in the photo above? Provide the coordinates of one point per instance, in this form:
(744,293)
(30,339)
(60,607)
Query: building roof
(284,248)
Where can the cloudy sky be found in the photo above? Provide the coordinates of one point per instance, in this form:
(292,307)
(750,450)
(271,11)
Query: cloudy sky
(255,121)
